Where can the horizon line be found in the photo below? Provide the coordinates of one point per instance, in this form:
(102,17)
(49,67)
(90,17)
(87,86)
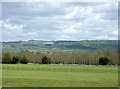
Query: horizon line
(61,40)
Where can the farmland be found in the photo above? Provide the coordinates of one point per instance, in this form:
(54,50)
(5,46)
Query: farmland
(59,46)
(38,75)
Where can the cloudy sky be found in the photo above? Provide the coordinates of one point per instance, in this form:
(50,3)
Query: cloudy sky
(59,21)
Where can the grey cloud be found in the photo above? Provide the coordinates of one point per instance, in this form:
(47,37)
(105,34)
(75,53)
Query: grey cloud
(48,20)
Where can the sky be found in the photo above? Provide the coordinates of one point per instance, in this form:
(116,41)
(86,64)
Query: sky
(59,21)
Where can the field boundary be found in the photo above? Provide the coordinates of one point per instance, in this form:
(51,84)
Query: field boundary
(60,88)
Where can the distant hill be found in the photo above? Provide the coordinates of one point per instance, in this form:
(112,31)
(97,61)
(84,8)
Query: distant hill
(66,46)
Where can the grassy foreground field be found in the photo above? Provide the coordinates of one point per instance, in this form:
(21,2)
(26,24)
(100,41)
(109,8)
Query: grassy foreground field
(37,75)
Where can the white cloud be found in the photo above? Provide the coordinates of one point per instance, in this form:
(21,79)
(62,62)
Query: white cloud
(115,32)
(73,13)
(70,30)
(32,33)
(78,12)
(12,27)
(89,10)
(66,37)
(102,37)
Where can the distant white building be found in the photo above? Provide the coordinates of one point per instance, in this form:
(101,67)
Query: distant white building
(29,63)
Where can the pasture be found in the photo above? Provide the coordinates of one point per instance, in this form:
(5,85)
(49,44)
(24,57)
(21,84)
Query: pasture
(38,75)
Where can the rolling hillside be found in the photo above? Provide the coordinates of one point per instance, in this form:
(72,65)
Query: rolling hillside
(49,46)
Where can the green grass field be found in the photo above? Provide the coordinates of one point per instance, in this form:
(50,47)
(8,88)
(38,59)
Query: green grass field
(37,75)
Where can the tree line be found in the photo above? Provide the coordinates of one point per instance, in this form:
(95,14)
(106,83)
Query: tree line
(8,59)
(76,57)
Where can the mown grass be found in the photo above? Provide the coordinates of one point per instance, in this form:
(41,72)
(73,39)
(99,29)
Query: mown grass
(36,75)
